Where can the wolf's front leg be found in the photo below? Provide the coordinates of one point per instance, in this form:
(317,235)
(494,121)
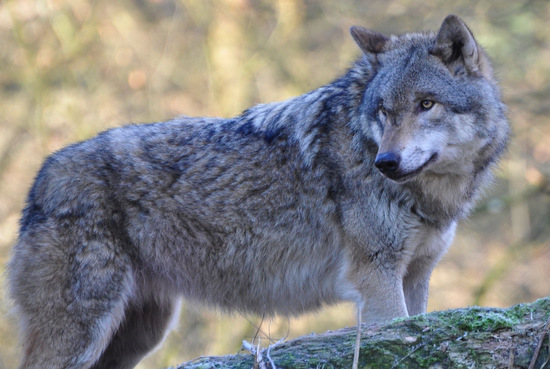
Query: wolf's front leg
(427,255)
(416,285)
(383,298)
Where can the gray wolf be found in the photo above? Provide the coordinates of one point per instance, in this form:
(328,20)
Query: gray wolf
(350,192)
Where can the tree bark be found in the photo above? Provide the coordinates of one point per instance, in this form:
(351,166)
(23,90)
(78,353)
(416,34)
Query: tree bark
(463,338)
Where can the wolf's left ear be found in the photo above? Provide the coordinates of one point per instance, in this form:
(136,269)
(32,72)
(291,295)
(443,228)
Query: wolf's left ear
(369,41)
(457,48)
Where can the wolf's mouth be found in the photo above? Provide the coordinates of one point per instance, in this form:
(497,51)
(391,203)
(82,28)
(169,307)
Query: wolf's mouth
(401,177)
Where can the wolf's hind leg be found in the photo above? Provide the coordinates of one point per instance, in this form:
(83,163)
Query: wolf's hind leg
(66,320)
(143,328)
(64,342)
(70,291)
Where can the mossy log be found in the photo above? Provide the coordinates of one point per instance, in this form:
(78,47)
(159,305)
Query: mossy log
(463,338)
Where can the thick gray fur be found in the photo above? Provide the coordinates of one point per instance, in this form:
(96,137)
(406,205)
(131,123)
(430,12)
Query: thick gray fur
(280,210)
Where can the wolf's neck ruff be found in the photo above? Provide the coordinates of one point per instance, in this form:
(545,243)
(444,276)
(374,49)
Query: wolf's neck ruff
(311,119)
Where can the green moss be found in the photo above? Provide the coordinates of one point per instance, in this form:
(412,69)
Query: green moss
(203,366)
(401,320)
(521,310)
(482,320)
(425,360)
(380,355)
(438,340)
(541,304)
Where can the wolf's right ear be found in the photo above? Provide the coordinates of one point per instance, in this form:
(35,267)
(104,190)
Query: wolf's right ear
(456,46)
(369,41)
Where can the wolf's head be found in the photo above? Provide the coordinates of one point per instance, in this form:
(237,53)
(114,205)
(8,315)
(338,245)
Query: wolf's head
(432,103)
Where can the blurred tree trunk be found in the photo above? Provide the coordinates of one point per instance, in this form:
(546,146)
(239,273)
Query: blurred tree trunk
(463,338)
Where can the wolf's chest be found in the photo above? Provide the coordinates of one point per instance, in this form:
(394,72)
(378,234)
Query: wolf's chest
(428,241)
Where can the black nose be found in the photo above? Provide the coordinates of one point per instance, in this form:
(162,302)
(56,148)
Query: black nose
(387,162)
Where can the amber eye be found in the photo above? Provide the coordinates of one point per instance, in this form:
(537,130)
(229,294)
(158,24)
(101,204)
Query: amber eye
(427,104)
(382,110)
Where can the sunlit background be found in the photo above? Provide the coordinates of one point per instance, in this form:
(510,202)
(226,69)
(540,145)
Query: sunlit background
(69,69)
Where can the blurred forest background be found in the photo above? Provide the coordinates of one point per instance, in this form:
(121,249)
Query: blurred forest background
(69,69)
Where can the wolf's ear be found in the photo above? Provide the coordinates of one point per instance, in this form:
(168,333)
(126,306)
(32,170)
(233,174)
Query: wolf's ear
(456,46)
(369,41)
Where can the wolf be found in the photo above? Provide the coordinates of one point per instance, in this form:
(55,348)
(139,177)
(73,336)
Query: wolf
(351,192)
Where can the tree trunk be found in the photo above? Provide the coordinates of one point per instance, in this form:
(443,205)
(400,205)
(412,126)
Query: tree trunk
(463,338)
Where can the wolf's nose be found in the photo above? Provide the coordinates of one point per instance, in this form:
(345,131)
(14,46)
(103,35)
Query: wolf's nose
(387,162)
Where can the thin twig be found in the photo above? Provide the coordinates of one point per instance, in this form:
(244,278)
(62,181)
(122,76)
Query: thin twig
(548,358)
(357,338)
(269,352)
(258,329)
(541,340)
(257,352)
(409,354)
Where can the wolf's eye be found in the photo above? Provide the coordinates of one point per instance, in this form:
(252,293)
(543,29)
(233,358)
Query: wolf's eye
(382,110)
(427,104)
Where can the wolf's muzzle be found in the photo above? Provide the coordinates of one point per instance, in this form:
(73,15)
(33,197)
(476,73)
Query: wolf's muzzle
(387,162)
